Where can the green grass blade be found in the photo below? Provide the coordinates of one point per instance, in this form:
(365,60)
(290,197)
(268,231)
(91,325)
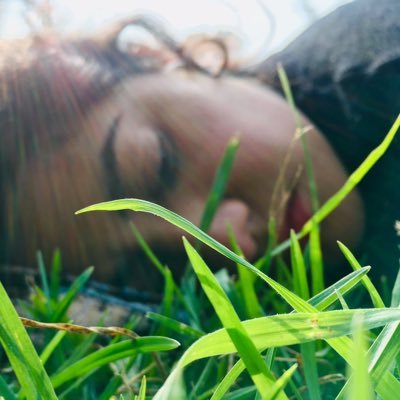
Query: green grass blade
(289,329)
(148,207)
(23,358)
(317,277)
(5,391)
(55,275)
(245,393)
(282,381)
(70,295)
(78,352)
(111,388)
(317,267)
(175,325)
(51,346)
(142,389)
(342,345)
(161,268)
(353,180)
(43,274)
(168,293)
(329,295)
(342,301)
(113,352)
(264,263)
(395,301)
(203,379)
(219,184)
(375,297)
(300,283)
(175,219)
(253,361)
(308,351)
(381,354)
(245,281)
(148,251)
(360,387)
(388,388)
(281,330)
(383,351)
(228,380)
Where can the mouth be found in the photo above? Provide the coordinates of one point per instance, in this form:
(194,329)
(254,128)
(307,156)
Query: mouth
(298,212)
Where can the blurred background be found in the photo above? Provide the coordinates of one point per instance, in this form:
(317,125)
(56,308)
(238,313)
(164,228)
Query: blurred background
(262,26)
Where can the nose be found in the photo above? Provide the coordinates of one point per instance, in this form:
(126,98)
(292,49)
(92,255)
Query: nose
(236,214)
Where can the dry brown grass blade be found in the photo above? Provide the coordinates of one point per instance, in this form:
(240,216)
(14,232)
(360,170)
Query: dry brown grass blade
(85,330)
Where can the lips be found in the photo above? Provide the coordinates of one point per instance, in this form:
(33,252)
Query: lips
(298,212)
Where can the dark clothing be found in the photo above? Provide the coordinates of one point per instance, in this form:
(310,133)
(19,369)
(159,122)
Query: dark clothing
(345,76)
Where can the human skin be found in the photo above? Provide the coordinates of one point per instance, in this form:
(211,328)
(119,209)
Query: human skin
(189,117)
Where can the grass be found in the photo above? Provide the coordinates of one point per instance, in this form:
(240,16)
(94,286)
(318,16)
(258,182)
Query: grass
(215,336)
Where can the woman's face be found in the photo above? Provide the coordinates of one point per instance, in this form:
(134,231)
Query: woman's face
(161,137)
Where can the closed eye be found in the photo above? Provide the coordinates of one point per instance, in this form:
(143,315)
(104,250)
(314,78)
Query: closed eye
(109,161)
(168,166)
(156,187)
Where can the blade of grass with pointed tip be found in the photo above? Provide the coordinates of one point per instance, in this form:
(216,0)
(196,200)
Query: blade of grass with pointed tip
(148,251)
(142,390)
(253,361)
(395,301)
(51,346)
(43,273)
(113,352)
(317,277)
(352,181)
(175,219)
(23,358)
(228,380)
(282,381)
(219,184)
(168,294)
(55,275)
(329,295)
(71,294)
(148,207)
(245,281)
(300,283)
(175,325)
(317,267)
(375,297)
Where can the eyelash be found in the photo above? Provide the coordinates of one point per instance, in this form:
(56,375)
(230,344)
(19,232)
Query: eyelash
(168,167)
